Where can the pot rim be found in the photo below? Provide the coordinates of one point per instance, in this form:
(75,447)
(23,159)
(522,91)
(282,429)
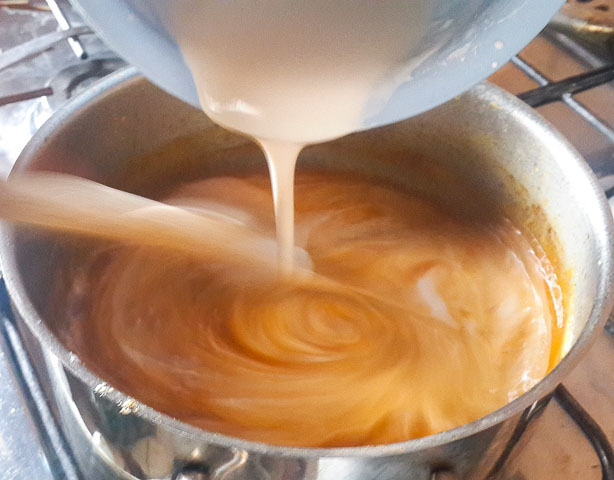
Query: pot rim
(571,161)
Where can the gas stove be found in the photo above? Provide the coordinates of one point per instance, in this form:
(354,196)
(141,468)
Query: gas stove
(48,55)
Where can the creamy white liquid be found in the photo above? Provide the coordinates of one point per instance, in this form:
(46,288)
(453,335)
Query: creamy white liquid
(293,73)
(281,159)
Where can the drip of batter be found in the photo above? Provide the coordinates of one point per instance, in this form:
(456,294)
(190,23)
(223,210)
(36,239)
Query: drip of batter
(459,320)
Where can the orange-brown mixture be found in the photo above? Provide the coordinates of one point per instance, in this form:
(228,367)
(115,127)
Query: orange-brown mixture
(433,321)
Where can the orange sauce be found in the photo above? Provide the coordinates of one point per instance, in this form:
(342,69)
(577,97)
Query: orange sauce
(434,319)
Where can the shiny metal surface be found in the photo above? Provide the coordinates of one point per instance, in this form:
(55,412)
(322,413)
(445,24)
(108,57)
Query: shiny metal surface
(20,450)
(485,136)
(32,445)
(38,45)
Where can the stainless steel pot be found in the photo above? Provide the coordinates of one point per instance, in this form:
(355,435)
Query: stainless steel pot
(485,140)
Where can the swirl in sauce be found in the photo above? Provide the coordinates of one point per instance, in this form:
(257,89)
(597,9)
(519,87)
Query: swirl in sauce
(457,322)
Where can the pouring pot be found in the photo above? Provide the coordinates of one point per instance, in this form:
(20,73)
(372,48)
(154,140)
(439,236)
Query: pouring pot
(462,42)
(486,140)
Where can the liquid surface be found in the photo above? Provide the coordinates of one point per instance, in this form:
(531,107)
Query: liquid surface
(457,322)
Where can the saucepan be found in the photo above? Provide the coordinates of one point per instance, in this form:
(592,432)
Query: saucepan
(486,141)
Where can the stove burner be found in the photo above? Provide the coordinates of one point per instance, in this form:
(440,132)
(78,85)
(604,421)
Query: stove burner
(76,78)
